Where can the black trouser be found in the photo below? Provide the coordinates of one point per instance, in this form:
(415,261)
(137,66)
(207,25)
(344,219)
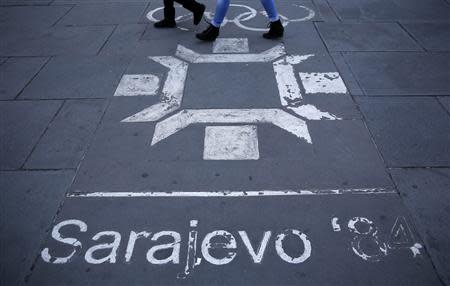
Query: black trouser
(169,9)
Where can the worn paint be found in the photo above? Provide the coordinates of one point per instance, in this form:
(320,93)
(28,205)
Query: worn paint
(262,193)
(328,83)
(366,234)
(230,244)
(56,235)
(137,85)
(175,246)
(286,257)
(231,143)
(257,256)
(239,19)
(335,224)
(231,45)
(310,112)
(277,117)
(197,58)
(172,93)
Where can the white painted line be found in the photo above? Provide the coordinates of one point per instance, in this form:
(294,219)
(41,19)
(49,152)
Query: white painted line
(328,82)
(184,118)
(288,87)
(172,93)
(196,58)
(287,83)
(137,85)
(230,194)
(231,45)
(231,143)
(311,112)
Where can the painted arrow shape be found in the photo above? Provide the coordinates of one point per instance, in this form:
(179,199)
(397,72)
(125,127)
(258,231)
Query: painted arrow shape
(264,57)
(172,93)
(275,116)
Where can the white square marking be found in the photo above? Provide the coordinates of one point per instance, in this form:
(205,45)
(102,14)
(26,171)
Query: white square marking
(231,45)
(231,143)
(328,82)
(137,85)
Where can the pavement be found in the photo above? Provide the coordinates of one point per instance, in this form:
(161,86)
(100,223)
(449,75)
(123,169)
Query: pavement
(136,156)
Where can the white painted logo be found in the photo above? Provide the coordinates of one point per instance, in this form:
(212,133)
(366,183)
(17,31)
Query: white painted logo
(240,20)
(237,142)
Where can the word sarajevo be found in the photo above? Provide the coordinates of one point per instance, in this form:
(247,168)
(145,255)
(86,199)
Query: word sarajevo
(218,247)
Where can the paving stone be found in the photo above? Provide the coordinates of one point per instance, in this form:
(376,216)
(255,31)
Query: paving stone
(445,100)
(432,36)
(54,41)
(303,37)
(104,13)
(36,16)
(286,161)
(325,11)
(366,37)
(426,194)
(143,40)
(409,131)
(22,125)
(16,73)
(346,74)
(68,136)
(29,202)
(125,40)
(25,2)
(241,86)
(401,73)
(78,77)
(311,216)
(391,10)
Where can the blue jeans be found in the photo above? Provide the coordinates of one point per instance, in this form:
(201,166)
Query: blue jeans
(222,8)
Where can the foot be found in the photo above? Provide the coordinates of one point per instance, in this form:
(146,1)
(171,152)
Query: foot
(165,23)
(276,30)
(209,35)
(198,13)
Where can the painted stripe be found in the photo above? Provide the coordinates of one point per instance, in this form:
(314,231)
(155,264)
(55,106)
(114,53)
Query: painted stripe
(172,93)
(183,119)
(196,58)
(231,46)
(262,193)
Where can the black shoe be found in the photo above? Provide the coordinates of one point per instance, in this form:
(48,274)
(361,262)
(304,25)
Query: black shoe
(164,23)
(198,13)
(209,35)
(276,30)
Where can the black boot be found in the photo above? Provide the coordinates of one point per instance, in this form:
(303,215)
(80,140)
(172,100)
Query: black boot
(165,23)
(209,35)
(276,30)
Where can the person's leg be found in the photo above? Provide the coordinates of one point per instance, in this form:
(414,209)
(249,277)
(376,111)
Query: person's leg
(169,16)
(169,10)
(196,8)
(221,11)
(212,32)
(269,6)
(276,28)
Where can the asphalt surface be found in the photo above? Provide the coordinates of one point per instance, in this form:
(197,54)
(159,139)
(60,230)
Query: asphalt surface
(136,156)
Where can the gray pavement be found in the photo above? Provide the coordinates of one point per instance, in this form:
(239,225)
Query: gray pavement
(136,156)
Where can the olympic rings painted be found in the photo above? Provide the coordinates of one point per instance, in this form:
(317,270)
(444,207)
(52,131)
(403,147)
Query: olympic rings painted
(239,19)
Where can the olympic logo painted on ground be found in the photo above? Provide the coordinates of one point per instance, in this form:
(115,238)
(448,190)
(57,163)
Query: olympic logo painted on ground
(240,19)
